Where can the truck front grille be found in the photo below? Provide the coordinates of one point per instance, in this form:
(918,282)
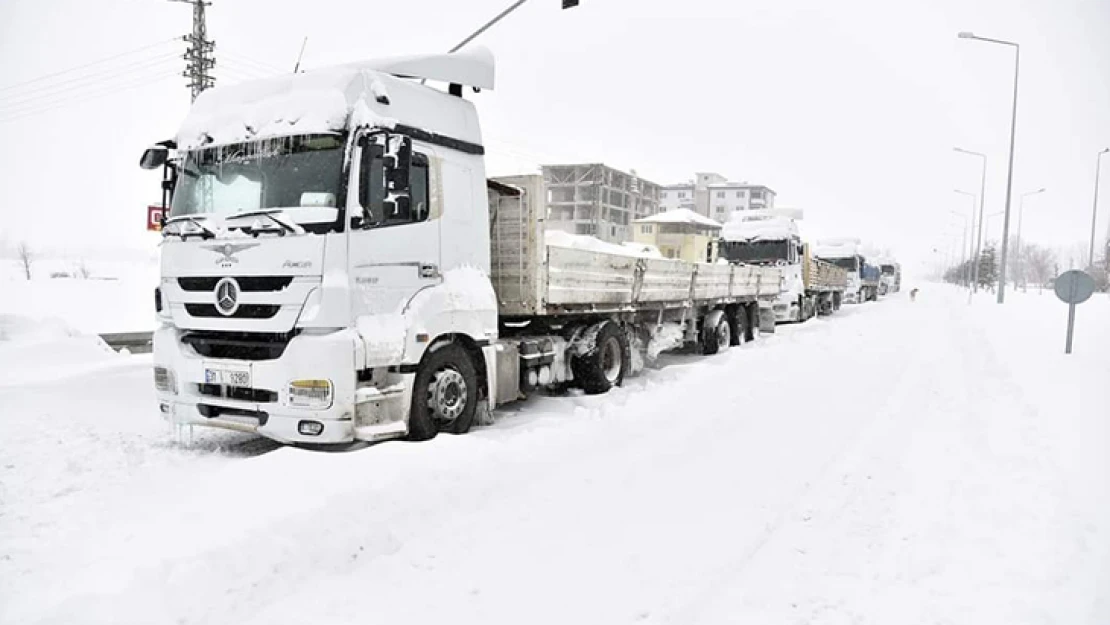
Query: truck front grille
(238,345)
(245,311)
(247,284)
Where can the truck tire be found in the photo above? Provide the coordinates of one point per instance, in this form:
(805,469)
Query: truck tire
(607,362)
(716,335)
(444,395)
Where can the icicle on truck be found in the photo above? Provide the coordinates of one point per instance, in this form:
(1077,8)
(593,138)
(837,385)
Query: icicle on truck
(770,237)
(336,267)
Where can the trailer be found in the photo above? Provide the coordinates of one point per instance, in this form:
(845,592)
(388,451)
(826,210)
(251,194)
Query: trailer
(770,237)
(336,266)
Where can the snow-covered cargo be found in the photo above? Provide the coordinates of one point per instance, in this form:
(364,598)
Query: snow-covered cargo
(337,267)
(540,272)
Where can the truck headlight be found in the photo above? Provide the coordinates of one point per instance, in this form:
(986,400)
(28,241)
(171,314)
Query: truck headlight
(310,393)
(165,380)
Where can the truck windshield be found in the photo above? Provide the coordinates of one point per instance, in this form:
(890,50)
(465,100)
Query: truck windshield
(888,270)
(287,172)
(755,252)
(846,263)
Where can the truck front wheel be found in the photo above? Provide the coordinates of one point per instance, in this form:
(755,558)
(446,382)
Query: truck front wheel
(607,362)
(445,393)
(716,335)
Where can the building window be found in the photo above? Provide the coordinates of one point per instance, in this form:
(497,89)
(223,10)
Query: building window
(740,194)
(720,195)
(645,229)
(721,209)
(664,194)
(757,194)
(681,194)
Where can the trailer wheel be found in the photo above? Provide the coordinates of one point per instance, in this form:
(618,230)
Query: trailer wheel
(716,335)
(444,395)
(607,362)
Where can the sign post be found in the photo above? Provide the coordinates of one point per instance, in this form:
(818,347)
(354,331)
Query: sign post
(1073,287)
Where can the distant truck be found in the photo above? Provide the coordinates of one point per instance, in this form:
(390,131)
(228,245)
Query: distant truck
(863,278)
(335,266)
(891,280)
(770,238)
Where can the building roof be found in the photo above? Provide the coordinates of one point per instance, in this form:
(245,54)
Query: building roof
(738,185)
(679,216)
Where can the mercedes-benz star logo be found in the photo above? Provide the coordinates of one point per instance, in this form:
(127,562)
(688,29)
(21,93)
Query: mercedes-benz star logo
(227,296)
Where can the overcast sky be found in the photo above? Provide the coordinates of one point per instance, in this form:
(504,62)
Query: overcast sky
(848,109)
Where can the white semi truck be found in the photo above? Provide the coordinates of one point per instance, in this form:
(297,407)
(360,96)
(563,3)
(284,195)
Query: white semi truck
(335,266)
(863,278)
(891,279)
(770,237)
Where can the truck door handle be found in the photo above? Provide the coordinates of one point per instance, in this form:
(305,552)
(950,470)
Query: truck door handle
(428,270)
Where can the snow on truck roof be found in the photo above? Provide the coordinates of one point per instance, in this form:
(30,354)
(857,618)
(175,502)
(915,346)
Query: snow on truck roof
(770,224)
(679,216)
(331,99)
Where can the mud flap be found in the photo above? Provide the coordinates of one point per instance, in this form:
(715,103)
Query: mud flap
(767,319)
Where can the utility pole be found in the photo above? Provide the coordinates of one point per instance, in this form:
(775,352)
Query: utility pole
(199,57)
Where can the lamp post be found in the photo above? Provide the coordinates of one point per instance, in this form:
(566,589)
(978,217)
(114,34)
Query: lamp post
(1010,169)
(970,244)
(1017,245)
(567,4)
(979,237)
(1094,210)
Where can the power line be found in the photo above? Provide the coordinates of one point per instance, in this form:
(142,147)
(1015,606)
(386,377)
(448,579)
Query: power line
(81,98)
(90,92)
(101,61)
(76,82)
(246,60)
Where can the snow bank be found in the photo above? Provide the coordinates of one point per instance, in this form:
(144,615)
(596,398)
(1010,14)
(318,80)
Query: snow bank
(34,350)
(558,238)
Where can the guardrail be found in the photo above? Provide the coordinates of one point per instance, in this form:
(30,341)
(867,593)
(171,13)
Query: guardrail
(135,342)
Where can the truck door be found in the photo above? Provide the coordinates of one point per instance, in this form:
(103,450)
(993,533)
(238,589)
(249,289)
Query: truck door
(394,244)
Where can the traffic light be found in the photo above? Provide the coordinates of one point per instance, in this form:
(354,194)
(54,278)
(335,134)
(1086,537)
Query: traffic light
(570,4)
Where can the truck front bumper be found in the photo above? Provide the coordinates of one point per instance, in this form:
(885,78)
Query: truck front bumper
(266,407)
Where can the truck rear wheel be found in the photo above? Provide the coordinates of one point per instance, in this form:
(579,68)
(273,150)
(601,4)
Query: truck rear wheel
(444,395)
(607,362)
(716,335)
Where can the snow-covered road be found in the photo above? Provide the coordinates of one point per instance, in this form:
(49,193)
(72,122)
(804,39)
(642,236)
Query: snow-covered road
(897,463)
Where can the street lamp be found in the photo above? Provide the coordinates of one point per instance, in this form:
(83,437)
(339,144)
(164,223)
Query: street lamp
(970,244)
(1010,169)
(1094,211)
(979,237)
(1017,245)
(567,4)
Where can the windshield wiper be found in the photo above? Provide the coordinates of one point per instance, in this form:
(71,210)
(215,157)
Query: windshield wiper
(269,214)
(205,232)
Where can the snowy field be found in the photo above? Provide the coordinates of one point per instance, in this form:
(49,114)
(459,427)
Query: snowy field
(901,462)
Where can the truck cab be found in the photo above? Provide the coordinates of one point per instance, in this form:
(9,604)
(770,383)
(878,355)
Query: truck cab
(770,237)
(312,235)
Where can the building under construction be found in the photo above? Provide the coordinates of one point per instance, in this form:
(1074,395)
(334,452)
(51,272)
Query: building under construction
(597,200)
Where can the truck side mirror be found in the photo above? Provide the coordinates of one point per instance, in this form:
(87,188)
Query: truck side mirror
(398,161)
(154,157)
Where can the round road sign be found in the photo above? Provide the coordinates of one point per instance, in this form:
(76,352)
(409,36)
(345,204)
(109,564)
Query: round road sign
(1074,287)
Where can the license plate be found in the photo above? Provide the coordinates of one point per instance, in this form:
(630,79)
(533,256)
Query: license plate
(228,375)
